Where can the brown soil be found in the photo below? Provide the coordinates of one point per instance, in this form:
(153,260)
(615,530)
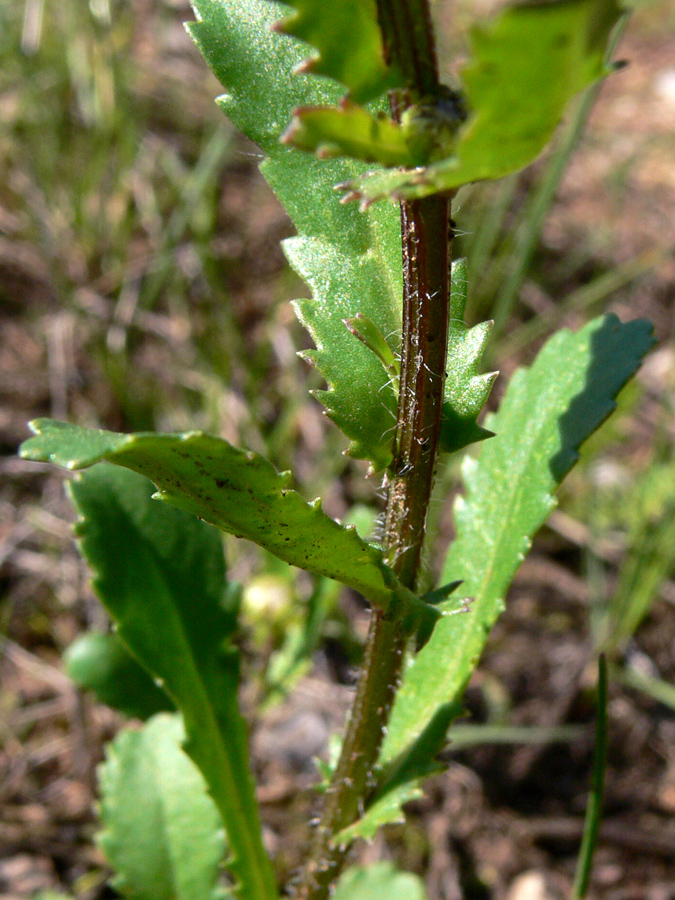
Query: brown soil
(503,822)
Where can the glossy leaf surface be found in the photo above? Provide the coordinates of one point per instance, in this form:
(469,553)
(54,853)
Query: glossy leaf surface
(161,575)
(543,51)
(348,44)
(352,262)
(162,832)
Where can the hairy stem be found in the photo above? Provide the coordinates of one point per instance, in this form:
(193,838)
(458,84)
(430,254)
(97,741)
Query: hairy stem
(408,36)
(425,316)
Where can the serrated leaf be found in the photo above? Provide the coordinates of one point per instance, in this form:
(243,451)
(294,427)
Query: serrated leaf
(466,391)
(351,262)
(426,133)
(101,663)
(162,832)
(379,881)
(351,131)
(161,575)
(348,42)
(241,493)
(548,411)
(524,68)
(385,810)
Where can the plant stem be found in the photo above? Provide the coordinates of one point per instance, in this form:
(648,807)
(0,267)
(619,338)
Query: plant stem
(409,42)
(408,36)
(425,325)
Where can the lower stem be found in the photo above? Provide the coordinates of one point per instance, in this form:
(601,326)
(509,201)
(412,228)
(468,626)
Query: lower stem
(426,261)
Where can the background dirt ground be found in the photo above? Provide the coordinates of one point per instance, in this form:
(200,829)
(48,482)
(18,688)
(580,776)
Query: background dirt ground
(132,292)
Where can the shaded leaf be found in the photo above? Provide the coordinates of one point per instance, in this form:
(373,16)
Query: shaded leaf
(401,781)
(348,44)
(162,832)
(548,51)
(351,262)
(367,331)
(386,809)
(241,493)
(161,575)
(101,663)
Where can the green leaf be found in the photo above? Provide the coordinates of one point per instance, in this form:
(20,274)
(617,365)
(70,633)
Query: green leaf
(377,882)
(386,809)
(351,262)
(548,411)
(352,131)
(161,575)
(239,492)
(367,331)
(101,663)
(349,44)
(426,133)
(545,51)
(162,832)
(466,391)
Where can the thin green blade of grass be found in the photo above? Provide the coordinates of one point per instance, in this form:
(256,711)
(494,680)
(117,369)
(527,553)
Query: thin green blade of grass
(461,736)
(535,212)
(584,299)
(657,688)
(213,158)
(480,246)
(648,563)
(594,808)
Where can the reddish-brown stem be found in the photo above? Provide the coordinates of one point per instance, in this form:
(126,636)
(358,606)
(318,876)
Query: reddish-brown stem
(408,36)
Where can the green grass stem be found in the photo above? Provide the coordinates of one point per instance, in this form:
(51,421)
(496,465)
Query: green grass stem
(594,807)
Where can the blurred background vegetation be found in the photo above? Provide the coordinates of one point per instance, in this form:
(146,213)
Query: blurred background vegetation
(142,287)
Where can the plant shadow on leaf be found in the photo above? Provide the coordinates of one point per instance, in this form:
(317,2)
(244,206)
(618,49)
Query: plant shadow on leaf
(604,379)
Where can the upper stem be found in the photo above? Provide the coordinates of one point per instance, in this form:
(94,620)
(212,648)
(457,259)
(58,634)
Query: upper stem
(408,38)
(425,328)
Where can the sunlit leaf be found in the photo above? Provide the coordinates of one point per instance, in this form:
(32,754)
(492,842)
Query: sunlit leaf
(377,882)
(548,411)
(161,831)
(241,493)
(352,262)
(525,66)
(350,131)
(348,44)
